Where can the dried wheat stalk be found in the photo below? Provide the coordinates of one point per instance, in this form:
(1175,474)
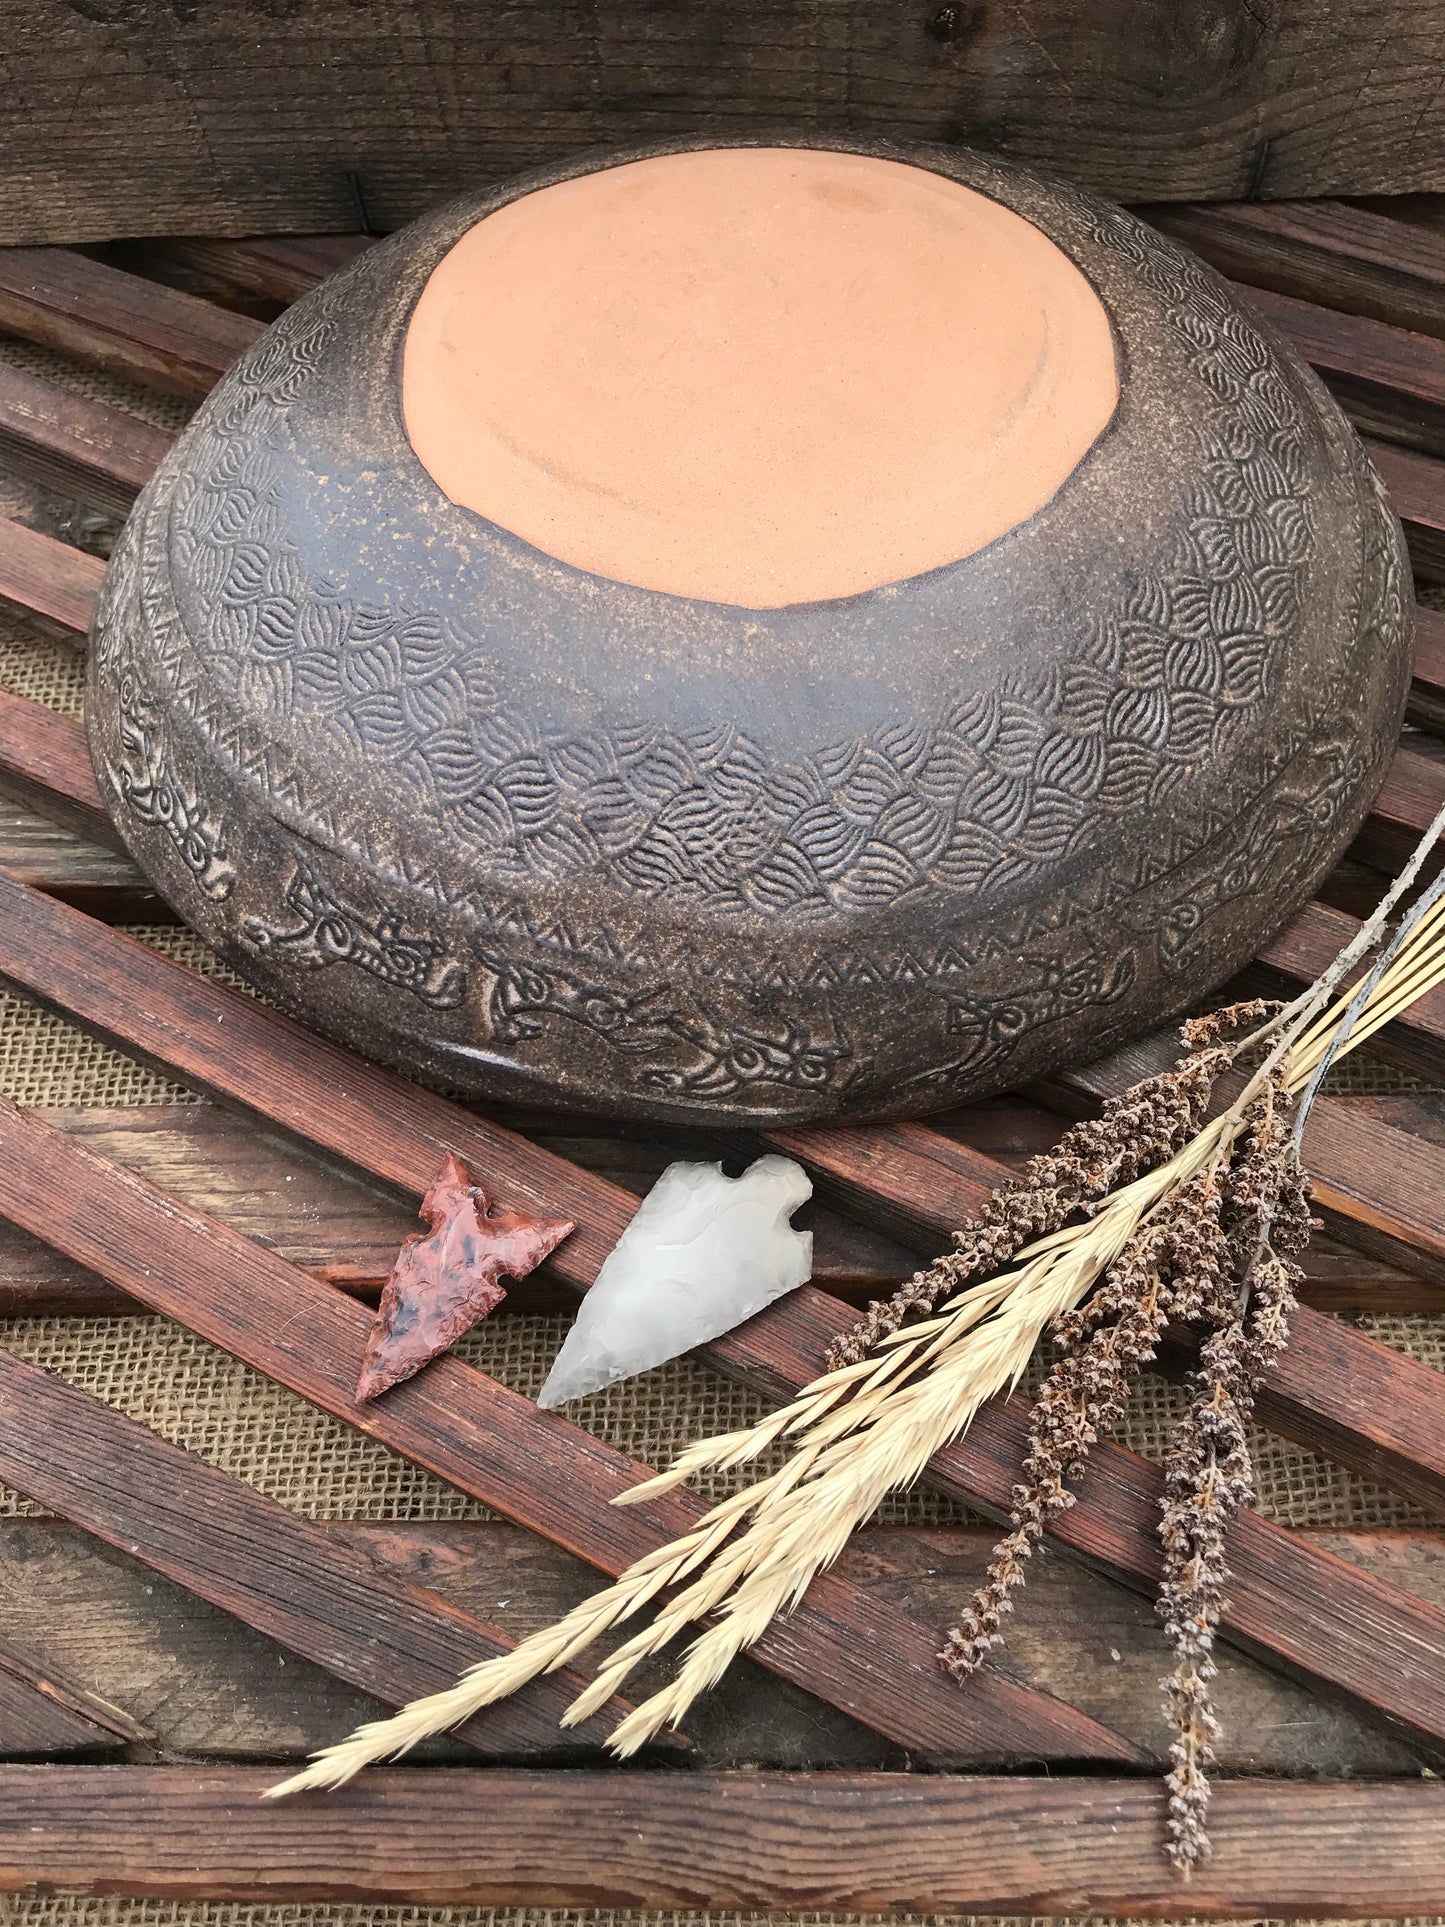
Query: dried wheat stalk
(1152,1211)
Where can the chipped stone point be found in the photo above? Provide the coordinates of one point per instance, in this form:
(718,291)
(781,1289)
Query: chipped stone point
(704,1252)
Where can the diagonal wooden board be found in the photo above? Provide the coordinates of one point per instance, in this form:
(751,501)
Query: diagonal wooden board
(225,1542)
(1319,1616)
(496,1445)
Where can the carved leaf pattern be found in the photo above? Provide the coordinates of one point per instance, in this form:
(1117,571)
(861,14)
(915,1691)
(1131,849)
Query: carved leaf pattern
(1001,788)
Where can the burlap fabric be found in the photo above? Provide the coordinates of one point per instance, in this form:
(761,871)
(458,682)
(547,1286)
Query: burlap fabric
(229,1415)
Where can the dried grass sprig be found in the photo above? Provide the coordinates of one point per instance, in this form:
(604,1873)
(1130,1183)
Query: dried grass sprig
(1152,1211)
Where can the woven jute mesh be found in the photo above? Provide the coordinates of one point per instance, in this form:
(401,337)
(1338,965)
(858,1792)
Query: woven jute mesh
(95,384)
(229,1415)
(66,1911)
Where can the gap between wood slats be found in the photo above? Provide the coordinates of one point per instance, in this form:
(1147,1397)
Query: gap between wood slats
(494,1444)
(210,1688)
(280,1574)
(1309,1614)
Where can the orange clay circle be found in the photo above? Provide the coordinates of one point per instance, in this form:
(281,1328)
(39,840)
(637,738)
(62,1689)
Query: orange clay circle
(756,375)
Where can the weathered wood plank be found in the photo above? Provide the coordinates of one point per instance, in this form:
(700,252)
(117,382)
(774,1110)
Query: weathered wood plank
(1326,1622)
(1427,688)
(311,1592)
(210,1688)
(1390,382)
(1346,258)
(44,761)
(137,328)
(49,579)
(867,1843)
(38,850)
(532,1466)
(1416,487)
(334,121)
(1333,1389)
(70,443)
(320,1215)
(42,1716)
(1409,799)
(282,268)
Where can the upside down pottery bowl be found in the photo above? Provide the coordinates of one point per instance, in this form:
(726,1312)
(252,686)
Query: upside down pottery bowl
(753,633)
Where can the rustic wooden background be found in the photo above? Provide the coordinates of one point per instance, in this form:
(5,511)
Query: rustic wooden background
(236,117)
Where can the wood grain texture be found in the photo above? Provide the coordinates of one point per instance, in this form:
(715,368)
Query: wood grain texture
(311,1592)
(1409,798)
(1333,1389)
(873,1843)
(532,1466)
(77,446)
(1415,484)
(131,326)
(281,268)
(209,1688)
(42,1716)
(43,759)
(325,1217)
(326,116)
(1347,258)
(1389,381)
(1427,688)
(333,1222)
(39,850)
(1323,1620)
(45,578)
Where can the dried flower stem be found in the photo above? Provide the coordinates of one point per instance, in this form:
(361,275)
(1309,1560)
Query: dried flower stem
(1181,1216)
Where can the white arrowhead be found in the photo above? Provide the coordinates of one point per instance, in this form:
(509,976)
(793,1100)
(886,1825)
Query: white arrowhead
(703,1253)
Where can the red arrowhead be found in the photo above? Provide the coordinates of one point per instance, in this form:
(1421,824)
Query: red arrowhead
(443,1283)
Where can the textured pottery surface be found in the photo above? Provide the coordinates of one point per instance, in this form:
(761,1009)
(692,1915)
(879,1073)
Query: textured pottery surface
(697,819)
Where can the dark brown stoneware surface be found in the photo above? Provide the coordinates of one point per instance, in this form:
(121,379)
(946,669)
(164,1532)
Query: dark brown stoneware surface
(552,836)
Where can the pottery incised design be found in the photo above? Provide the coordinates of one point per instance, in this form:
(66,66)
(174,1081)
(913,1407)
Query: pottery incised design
(635,908)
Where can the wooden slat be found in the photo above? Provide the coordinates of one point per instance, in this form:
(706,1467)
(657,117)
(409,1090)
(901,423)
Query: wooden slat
(131,326)
(1389,381)
(1311,1619)
(282,268)
(38,850)
(866,1843)
(1288,1600)
(1416,487)
(43,1716)
(226,1543)
(70,443)
(1427,689)
(209,1688)
(339,1227)
(46,578)
(399,108)
(1409,799)
(44,760)
(1324,251)
(494,1444)
(333,1224)
(1334,1389)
